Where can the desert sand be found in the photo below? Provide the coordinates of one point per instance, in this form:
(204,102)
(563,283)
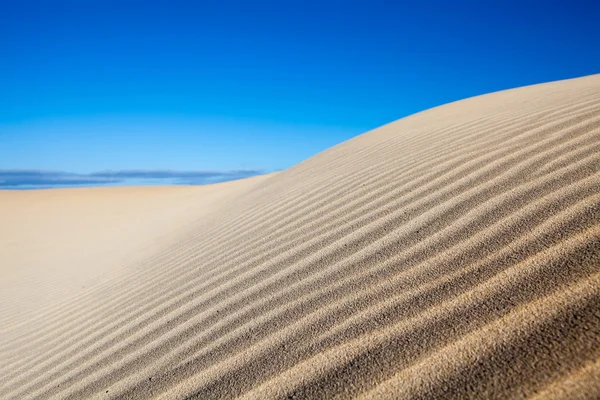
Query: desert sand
(454,253)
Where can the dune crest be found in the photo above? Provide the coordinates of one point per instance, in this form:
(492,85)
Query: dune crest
(454,253)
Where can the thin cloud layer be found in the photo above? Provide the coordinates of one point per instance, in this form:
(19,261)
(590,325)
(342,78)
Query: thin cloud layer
(25,179)
(183,177)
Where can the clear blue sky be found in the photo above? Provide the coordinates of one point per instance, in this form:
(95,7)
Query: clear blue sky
(237,87)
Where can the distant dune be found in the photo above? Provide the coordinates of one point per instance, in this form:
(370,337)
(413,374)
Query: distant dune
(454,253)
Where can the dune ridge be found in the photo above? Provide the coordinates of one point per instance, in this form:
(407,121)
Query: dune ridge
(454,253)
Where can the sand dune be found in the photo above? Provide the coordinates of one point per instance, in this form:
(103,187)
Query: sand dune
(454,253)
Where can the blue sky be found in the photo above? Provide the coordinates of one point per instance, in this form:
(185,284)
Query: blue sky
(203,91)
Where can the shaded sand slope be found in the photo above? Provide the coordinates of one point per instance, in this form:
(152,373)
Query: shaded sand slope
(454,253)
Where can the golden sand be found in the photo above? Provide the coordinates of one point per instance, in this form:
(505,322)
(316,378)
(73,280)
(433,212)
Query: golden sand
(454,253)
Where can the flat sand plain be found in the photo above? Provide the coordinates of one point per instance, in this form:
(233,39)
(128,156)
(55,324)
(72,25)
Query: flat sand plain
(454,253)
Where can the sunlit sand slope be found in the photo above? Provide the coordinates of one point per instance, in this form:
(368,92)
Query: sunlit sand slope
(454,253)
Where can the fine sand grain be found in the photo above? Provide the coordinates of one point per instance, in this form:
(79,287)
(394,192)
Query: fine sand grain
(454,253)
